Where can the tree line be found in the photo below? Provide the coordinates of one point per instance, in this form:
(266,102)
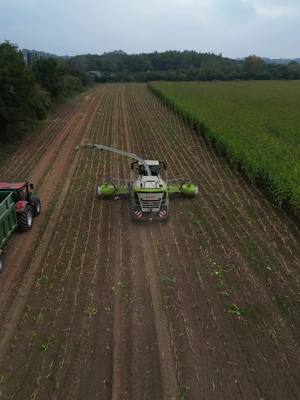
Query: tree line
(179,66)
(32,82)
(29,91)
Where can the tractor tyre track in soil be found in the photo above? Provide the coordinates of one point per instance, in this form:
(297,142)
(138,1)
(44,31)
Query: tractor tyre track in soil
(50,168)
(95,306)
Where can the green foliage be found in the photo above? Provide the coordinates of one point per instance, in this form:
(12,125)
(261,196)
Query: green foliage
(46,73)
(177,66)
(255,124)
(69,84)
(40,101)
(294,70)
(28,91)
(254,64)
(19,97)
(170,65)
(57,77)
(233,309)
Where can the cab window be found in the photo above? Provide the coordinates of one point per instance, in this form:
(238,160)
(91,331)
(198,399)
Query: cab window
(155,170)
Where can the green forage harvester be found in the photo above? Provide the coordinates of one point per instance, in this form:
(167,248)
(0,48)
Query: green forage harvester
(148,187)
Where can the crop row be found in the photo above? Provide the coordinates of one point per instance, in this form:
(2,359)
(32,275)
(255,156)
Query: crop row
(207,273)
(256,125)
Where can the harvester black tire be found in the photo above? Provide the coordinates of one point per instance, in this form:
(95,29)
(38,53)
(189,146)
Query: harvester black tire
(25,219)
(134,220)
(36,206)
(164,220)
(1,264)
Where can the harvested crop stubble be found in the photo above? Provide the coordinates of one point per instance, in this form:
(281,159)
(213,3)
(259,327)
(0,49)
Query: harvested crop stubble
(203,306)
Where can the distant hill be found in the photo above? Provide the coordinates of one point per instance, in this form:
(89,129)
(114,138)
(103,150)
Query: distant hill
(278,61)
(171,65)
(34,54)
(42,54)
(283,61)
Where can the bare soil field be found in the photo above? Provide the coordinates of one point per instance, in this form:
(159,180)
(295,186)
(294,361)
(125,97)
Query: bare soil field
(94,306)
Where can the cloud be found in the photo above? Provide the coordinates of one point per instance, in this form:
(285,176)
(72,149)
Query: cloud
(233,27)
(274,9)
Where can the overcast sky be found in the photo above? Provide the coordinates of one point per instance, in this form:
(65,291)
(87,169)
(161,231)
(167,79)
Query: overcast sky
(235,28)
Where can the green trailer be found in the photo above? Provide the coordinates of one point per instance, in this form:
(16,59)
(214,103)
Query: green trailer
(18,206)
(8,221)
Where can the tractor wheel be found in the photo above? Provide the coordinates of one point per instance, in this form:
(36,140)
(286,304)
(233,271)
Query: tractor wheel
(1,264)
(36,206)
(25,220)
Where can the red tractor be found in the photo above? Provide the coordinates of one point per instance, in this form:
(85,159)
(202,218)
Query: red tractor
(27,205)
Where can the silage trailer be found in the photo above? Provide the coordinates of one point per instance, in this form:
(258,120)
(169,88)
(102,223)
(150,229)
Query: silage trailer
(18,206)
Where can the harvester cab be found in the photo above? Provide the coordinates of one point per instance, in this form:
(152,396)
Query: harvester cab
(149,197)
(155,167)
(148,187)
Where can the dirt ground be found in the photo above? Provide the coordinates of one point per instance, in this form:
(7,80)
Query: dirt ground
(94,306)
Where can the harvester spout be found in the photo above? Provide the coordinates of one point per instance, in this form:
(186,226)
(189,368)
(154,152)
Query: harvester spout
(117,151)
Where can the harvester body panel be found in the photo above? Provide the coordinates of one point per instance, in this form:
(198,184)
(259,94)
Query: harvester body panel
(112,188)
